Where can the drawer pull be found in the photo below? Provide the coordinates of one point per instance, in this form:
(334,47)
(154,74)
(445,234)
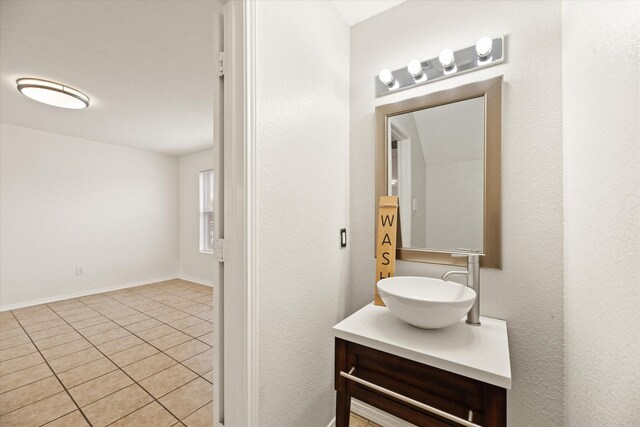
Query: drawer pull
(408,400)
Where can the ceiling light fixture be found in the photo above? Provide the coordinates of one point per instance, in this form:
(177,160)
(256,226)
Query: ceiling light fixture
(52,93)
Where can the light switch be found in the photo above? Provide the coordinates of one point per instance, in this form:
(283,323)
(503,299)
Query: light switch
(343,237)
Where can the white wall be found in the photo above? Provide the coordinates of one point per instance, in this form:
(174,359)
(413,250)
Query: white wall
(454,191)
(602,212)
(452,137)
(302,156)
(528,292)
(417,227)
(68,202)
(193,264)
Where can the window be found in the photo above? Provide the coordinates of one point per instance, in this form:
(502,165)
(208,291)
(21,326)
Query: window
(206,211)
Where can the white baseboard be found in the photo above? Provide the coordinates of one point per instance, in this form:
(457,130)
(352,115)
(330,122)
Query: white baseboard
(205,282)
(332,423)
(377,416)
(83,293)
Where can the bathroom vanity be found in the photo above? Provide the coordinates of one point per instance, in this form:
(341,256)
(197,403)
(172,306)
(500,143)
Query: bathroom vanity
(439,154)
(454,376)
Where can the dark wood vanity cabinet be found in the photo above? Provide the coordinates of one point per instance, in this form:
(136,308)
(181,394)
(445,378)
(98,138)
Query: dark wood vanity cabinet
(469,399)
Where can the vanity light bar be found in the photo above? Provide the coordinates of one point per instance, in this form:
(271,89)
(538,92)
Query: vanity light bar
(481,55)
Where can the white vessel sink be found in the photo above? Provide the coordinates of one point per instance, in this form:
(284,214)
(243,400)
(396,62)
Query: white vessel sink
(426,302)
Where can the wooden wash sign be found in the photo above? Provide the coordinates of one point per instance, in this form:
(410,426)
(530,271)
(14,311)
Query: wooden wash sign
(386,241)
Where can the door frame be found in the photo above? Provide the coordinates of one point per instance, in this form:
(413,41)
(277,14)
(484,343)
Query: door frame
(240,331)
(405,195)
(218,287)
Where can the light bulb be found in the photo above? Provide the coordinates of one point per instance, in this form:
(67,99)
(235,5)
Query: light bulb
(386,77)
(415,69)
(483,47)
(446,58)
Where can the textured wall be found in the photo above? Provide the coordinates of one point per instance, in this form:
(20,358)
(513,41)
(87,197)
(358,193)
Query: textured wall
(528,292)
(302,177)
(453,191)
(602,213)
(193,263)
(69,202)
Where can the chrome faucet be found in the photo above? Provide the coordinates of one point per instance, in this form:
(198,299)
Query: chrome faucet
(472,273)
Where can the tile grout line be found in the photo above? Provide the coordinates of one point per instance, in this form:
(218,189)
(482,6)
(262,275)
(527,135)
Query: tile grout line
(160,302)
(176,330)
(106,316)
(19,370)
(56,358)
(91,361)
(86,337)
(156,400)
(152,316)
(165,323)
(132,379)
(13,346)
(169,348)
(161,351)
(140,408)
(57,378)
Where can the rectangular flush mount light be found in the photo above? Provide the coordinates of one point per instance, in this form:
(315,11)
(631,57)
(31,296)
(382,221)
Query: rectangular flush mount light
(485,53)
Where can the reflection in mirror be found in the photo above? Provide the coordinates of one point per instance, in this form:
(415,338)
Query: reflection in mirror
(442,151)
(436,159)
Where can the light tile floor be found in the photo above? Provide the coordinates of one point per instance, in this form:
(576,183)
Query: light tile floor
(135,357)
(358,421)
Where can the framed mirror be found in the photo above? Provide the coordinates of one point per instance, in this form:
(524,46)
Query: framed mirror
(441,155)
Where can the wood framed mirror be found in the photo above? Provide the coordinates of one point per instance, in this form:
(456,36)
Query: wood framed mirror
(440,153)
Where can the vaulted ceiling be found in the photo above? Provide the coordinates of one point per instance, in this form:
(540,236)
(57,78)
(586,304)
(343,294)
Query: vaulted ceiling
(356,11)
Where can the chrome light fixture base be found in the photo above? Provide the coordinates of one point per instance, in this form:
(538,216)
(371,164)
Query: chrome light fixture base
(466,60)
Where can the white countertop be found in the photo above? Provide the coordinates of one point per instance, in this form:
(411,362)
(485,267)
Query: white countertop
(478,352)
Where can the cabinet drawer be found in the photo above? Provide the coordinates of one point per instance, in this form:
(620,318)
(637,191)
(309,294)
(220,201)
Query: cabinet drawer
(455,394)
